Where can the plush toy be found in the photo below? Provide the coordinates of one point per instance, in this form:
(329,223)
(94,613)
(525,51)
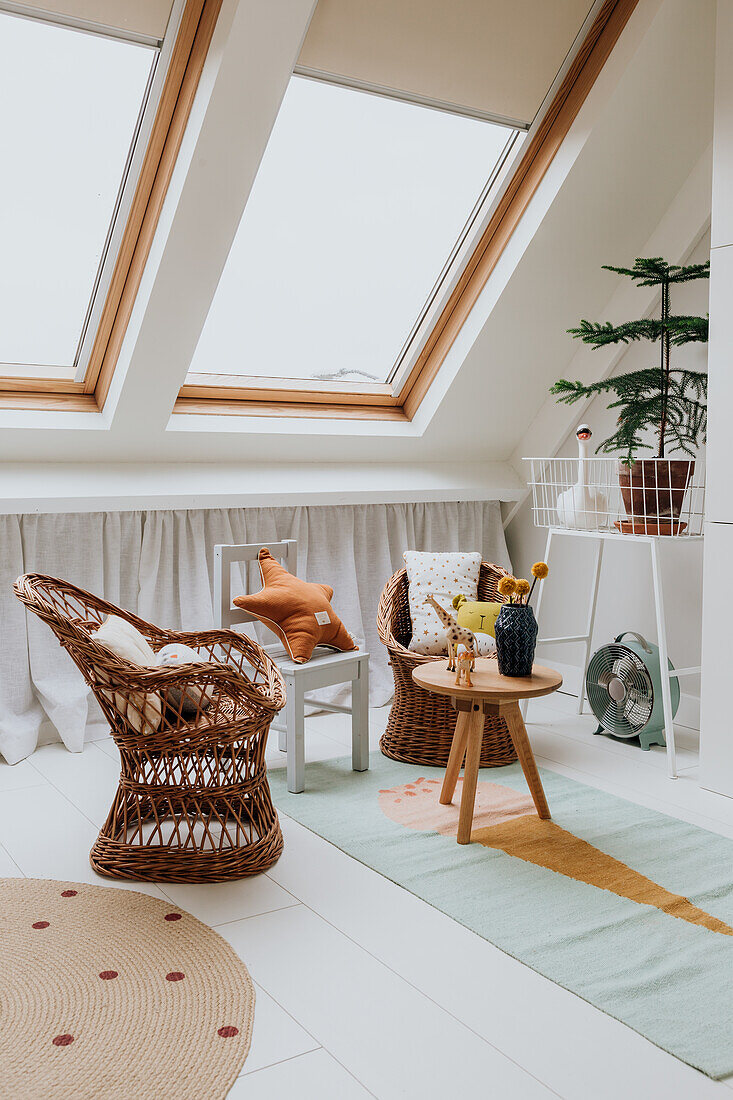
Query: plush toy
(193,698)
(485,644)
(145,712)
(475,615)
(142,710)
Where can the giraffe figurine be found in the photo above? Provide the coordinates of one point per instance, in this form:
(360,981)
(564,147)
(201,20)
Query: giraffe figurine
(455,634)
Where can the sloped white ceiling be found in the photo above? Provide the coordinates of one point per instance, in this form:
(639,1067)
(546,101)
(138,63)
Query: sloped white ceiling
(636,160)
(643,129)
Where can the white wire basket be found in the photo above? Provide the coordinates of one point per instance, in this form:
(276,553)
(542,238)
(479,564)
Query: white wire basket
(655,496)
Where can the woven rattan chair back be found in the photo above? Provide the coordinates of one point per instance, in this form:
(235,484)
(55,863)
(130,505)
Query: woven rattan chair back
(421,725)
(193,802)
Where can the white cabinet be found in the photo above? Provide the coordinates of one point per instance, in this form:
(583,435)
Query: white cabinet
(722,221)
(719,493)
(716,703)
(716,697)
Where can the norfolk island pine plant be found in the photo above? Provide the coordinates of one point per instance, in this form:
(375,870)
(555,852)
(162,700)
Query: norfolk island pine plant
(665,402)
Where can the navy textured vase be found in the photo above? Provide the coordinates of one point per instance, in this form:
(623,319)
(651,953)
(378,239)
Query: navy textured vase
(516,638)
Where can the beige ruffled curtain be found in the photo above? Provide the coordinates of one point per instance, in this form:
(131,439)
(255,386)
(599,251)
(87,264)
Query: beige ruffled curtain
(159,564)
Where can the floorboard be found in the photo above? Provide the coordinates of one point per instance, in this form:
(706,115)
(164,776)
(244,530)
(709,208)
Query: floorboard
(364,990)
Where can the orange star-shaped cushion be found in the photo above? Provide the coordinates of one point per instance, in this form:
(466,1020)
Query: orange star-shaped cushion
(299,612)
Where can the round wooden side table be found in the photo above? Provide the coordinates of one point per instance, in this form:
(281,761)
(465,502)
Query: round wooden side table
(490,693)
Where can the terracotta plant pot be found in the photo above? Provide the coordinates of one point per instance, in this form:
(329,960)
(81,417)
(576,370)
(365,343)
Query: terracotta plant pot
(653,491)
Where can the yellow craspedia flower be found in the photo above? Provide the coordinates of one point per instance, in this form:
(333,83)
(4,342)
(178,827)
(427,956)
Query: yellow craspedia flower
(507,586)
(540,569)
(522,588)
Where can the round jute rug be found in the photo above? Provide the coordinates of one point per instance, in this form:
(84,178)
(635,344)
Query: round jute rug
(112,993)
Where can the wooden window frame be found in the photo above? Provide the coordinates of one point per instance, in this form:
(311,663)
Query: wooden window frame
(207,395)
(220,396)
(188,55)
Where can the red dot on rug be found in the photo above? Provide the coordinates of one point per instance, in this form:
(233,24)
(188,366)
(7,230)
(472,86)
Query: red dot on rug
(63,1040)
(68,893)
(228,1032)
(172,916)
(41,924)
(175,976)
(107,975)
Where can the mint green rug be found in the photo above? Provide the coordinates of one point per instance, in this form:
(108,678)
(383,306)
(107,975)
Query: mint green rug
(627,908)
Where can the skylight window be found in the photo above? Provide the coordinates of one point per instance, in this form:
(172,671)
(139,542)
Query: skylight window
(356,208)
(71,105)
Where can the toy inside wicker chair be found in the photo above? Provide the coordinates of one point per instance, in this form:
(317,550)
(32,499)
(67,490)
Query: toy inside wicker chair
(421,725)
(193,803)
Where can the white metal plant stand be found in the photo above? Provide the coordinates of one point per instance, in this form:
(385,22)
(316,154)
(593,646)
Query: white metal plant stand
(582,498)
(652,541)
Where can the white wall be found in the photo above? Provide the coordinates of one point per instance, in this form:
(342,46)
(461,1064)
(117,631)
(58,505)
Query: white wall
(625,599)
(95,487)
(716,743)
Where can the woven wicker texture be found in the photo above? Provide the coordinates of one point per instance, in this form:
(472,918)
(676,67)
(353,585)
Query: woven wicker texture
(420,727)
(193,802)
(109,993)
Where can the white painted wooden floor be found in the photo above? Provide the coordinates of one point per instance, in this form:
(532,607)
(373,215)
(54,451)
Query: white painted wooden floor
(364,990)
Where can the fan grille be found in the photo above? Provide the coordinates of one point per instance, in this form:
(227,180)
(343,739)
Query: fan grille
(620,690)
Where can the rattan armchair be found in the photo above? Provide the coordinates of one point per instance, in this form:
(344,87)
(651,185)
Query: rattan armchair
(193,803)
(421,725)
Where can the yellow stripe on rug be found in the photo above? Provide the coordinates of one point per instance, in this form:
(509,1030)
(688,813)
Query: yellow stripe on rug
(549,845)
(506,820)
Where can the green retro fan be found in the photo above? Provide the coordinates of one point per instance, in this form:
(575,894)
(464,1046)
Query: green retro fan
(624,688)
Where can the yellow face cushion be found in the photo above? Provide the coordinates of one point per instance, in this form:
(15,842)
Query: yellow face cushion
(475,615)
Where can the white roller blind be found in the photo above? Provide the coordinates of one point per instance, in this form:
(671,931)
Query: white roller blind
(364,226)
(149,17)
(493,56)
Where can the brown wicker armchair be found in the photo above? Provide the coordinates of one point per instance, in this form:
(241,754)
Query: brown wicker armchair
(193,802)
(420,727)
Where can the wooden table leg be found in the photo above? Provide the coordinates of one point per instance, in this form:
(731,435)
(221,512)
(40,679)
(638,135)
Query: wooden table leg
(475,736)
(455,760)
(518,734)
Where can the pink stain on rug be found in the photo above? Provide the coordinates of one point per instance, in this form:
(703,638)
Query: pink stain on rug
(415,805)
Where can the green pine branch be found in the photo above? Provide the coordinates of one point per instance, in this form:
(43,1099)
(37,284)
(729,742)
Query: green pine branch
(691,385)
(655,271)
(686,329)
(633,384)
(682,329)
(664,401)
(640,401)
(625,386)
(627,438)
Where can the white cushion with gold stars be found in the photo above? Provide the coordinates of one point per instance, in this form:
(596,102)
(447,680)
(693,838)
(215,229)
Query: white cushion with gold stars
(442,576)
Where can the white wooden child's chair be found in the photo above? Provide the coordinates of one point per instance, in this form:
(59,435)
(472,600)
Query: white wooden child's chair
(324,669)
